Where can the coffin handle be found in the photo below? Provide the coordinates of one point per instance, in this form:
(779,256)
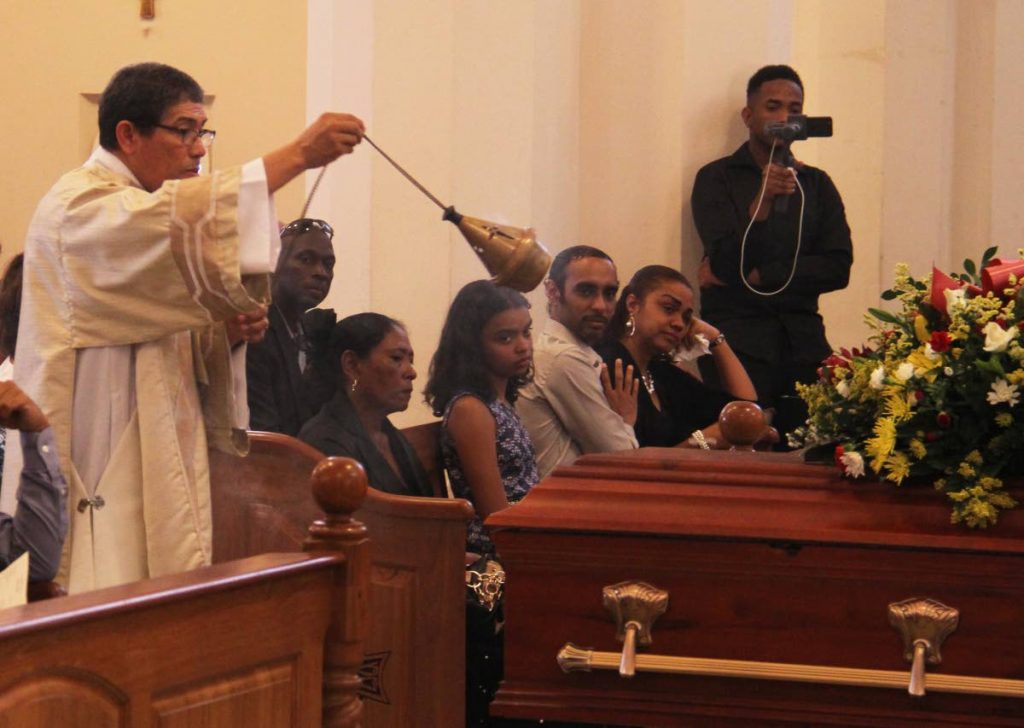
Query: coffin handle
(924,625)
(627,665)
(634,606)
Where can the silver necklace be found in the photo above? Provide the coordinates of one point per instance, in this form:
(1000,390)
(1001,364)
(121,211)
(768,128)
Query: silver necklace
(648,380)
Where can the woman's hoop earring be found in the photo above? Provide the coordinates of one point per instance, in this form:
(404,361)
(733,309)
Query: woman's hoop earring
(631,325)
(354,383)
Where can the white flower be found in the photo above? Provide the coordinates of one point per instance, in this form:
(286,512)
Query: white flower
(1003,391)
(854,464)
(843,387)
(955,298)
(905,371)
(997,338)
(948,371)
(878,377)
(931,353)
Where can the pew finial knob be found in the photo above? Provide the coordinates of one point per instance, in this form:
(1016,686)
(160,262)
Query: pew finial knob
(339,485)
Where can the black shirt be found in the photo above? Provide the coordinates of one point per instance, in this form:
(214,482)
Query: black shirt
(758,326)
(278,397)
(686,404)
(336,430)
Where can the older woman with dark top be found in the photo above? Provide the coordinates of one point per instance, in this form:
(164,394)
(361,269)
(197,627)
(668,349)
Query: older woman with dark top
(369,361)
(653,319)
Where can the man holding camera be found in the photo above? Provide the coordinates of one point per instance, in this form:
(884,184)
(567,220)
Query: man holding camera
(775,238)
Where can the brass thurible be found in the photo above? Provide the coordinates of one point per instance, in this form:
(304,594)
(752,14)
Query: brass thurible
(635,606)
(513,256)
(924,625)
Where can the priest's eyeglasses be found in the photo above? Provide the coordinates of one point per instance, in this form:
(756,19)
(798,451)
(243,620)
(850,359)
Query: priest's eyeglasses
(188,136)
(305,224)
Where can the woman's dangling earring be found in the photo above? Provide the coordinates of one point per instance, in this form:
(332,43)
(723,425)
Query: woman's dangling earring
(631,325)
(354,383)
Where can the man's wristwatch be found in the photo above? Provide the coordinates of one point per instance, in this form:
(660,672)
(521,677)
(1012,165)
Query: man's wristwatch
(716,341)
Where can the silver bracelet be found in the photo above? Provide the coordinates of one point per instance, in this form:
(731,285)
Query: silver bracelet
(698,436)
(716,341)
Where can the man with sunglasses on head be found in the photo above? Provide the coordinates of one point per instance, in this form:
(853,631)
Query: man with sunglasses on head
(143,280)
(279,401)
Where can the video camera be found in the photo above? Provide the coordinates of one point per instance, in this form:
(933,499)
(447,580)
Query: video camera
(798,126)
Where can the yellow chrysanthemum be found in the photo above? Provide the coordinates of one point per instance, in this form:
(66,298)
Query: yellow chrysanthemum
(974,458)
(898,467)
(917,449)
(966,470)
(881,445)
(897,406)
(1004,419)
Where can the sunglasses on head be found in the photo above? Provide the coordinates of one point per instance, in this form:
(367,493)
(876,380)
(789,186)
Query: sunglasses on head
(304,225)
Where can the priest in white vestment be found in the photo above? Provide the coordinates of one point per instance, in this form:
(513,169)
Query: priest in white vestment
(134,263)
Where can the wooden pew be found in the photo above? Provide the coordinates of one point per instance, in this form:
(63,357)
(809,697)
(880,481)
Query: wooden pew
(413,674)
(265,642)
(426,441)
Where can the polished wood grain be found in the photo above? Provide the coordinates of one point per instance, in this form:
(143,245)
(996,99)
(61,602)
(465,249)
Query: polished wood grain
(413,665)
(265,642)
(426,441)
(765,559)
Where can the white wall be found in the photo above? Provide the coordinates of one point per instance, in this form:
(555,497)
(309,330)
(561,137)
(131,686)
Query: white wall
(250,54)
(588,120)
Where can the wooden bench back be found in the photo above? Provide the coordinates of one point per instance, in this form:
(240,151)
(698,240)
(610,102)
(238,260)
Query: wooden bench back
(426,441)
(274,640)
(414,673)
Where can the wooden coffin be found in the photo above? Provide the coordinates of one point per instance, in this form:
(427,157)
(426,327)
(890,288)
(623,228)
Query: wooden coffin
(779,578)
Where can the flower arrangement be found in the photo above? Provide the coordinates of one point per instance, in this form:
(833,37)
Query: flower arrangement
(935,393)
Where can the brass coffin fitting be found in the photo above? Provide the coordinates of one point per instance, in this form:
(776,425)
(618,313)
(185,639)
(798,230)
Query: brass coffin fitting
(635,606)
(924,625)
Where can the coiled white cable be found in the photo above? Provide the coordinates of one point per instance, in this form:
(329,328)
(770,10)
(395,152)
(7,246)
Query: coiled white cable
(799,232)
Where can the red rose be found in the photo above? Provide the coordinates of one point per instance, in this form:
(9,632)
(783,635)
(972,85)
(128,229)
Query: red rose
(943,420)
(839,459)
(931,436)
(919,394)
(836,361)
(940,341)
